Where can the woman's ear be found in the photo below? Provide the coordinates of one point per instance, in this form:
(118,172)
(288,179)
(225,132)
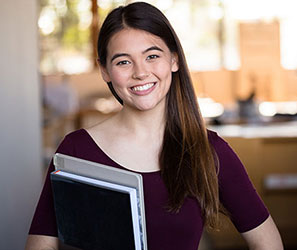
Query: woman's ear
(104,72)
(174,62)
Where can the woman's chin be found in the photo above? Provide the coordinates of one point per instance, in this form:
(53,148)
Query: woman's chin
(145,106)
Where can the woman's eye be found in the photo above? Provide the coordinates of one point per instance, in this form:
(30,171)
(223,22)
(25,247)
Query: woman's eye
(152,57)
(124,62)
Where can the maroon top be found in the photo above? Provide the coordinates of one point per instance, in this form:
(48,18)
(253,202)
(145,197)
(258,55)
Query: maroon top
(165,230)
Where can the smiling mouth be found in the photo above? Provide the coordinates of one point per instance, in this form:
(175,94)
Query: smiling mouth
(143,87)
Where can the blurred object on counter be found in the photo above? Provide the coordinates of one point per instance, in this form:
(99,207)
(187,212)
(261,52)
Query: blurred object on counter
(209,108)
(247,109)
(280,182)
(61,98)
(278,108)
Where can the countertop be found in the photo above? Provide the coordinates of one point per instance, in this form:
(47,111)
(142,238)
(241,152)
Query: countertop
(270,130)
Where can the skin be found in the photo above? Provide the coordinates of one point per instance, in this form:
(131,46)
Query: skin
(139,65)
(130,64)
(40,242)
(136,58)
(264,237)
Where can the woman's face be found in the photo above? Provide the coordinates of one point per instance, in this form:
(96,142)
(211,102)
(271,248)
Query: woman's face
(139,65)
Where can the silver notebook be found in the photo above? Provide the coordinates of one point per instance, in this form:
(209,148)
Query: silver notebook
(108,174)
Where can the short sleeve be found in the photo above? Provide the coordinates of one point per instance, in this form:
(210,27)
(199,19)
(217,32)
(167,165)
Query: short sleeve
(44,219)
(237,193)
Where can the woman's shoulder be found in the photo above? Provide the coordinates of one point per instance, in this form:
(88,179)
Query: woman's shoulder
(83,134)
(74,141)
(237,192)
(215,140)
(75,135)
(226,155)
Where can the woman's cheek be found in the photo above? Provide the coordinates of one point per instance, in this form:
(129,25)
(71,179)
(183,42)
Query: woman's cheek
(162,69)
(119,77)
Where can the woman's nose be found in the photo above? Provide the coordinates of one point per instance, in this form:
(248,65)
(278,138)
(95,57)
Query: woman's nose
(140,72)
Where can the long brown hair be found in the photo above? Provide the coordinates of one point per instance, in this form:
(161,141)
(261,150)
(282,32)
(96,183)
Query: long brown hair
(186,159)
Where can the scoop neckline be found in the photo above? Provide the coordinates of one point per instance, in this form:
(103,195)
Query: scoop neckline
(112,160)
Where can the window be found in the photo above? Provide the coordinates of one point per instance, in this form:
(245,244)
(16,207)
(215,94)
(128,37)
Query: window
(208,30)
(65,36)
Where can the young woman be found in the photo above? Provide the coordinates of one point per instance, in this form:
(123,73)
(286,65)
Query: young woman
(189,173)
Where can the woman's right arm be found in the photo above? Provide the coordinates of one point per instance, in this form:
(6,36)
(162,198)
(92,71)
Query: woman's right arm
(44,219)
(42,242)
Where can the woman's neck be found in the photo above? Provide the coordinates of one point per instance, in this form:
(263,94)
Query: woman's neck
(142,123)
(132,137)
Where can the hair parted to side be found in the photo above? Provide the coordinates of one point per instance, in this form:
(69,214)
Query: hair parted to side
(187,161)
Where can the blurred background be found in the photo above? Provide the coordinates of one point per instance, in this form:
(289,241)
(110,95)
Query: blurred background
(243,60)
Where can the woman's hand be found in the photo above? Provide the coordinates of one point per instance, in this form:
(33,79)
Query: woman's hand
(264,237)
(41,242)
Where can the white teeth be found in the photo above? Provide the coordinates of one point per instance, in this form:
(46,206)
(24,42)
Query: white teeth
(143,87)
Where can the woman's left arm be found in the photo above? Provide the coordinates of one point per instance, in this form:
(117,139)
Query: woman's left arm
(264,237)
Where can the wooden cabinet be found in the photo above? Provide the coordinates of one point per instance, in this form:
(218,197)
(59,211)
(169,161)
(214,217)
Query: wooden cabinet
(262,157)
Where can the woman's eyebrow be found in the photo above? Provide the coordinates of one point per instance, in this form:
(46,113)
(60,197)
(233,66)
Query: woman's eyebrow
(118,55)
(145,51)
(152,48)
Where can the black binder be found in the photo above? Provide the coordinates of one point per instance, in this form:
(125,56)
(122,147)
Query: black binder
(94,214)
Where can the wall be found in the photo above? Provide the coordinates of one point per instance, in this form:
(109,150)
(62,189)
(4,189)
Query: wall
(226,86)
(20,130)
(219,85)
